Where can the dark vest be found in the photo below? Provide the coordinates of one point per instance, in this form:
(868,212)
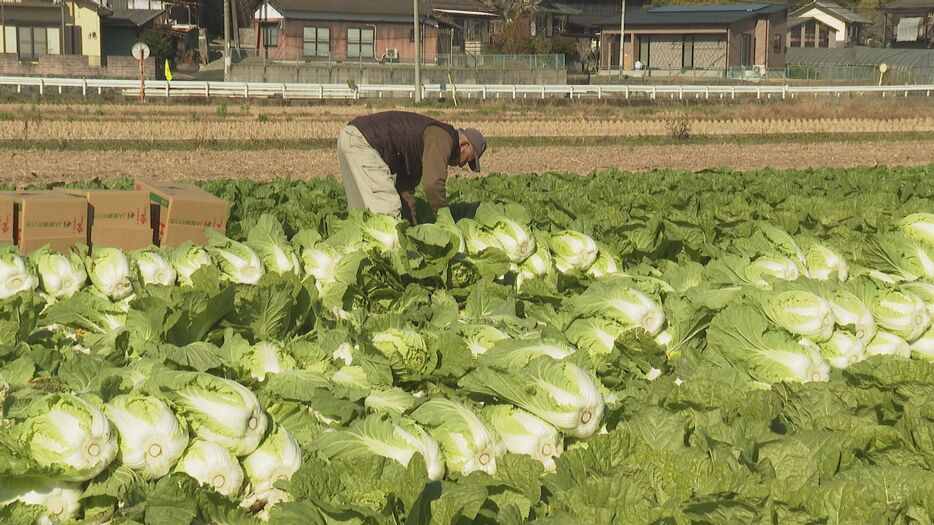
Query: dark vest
(399,138)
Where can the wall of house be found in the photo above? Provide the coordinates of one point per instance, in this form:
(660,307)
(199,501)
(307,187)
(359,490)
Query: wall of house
(666,51)
(763,32)
(388,74)
(30,16)
(839,26)
(90,22)
(386,36)
(75,66)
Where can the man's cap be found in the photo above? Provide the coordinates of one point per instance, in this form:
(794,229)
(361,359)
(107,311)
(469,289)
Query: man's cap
(479,145)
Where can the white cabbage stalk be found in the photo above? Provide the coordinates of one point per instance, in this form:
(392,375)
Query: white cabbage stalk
(66,432)
(536,266)
(321,263)
(775,266)
(918,226)
(152,436)
(240,263)
(267,358)
(596,335)
(801,313)
(62,500)
(268,239)
(187,259)
(886,343)
(213,466)
(476,239)
(901,313)
(154,268)
(481,337)
(224,412)
(924,290)
(561,393)
(923,347)
(15,277)
(842,349)
(344,352)
(390,400)
(622,304)
(851,313)
(604,265)
(109,270)
(397,440)
(524,433)
(573,251)
(61,276)
(383,229)
(467,443)
(276,459)
(824,263)
(515,240)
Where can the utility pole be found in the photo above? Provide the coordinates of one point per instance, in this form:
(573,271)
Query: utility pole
(622,38)
(418,55)
(235,24)
(226,40)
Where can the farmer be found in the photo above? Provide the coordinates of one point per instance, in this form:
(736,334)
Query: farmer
(384,156)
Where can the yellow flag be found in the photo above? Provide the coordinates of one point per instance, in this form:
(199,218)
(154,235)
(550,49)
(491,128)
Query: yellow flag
(168,72)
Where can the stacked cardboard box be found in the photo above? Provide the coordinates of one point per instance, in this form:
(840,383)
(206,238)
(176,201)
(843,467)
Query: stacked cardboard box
(32,219)
(182,212)
(118,219)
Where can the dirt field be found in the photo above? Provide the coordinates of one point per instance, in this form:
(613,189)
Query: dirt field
(165,141)
(29,166)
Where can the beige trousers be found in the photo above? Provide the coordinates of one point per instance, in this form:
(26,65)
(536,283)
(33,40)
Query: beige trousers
(368,182)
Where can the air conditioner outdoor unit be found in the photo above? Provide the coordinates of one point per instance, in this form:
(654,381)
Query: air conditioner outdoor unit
(391,53)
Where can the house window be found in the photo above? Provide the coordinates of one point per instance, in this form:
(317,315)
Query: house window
(795,38)
(746,51)
(809,34)
(270,35)
(687,52)
(359,43)
(316,41)
(645,44)
(31,42)
(777,44)
(824,36)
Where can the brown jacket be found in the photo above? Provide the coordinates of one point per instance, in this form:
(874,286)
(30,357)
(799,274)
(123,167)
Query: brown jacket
(417,149)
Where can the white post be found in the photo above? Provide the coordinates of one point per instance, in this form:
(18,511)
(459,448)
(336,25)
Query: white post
(418,54)
(227,60)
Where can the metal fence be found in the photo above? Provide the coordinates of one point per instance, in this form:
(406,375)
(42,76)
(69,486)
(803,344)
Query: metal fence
(188,89)
(824,74)
(461,61)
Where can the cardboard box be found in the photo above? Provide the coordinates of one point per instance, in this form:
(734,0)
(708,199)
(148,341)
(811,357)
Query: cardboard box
(57,244)
(6,221)
(41,217)
(181,212)
(123,238)
(118,219)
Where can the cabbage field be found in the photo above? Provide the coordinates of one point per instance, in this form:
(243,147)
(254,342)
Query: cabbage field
(667,347)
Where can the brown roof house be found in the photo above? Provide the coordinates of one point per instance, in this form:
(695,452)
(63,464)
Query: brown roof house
(825,24)
(909,24)
(738,40)
(363,31)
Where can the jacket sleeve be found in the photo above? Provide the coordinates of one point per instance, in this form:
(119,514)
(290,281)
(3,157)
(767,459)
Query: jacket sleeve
(437,153)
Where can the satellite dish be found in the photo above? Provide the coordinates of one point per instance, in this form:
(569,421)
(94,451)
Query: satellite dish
(883,67)
(140,51)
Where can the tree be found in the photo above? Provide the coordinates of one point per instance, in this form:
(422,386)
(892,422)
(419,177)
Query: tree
(513,10)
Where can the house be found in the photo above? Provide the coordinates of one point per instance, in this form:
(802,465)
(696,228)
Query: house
(471,24)
(340,30)
(32,28)
(825,24)
(909,24)
(673,40)
(124,27)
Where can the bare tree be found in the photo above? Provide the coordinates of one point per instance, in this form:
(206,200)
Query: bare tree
(512,9)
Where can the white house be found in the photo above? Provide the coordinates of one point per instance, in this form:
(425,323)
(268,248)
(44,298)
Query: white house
(824,24)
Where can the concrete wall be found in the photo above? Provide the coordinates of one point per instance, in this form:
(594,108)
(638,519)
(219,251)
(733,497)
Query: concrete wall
(75,66)
(387,74)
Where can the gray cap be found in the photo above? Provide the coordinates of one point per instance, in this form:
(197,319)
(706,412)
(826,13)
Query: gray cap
(479,145)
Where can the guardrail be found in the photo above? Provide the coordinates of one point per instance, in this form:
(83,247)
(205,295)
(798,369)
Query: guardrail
(190,89)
